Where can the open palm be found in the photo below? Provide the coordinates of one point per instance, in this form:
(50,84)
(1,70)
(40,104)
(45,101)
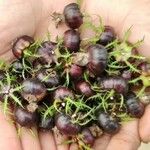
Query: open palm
(33,18)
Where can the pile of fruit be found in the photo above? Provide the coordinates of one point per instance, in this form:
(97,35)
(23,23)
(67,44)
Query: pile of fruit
(81,88)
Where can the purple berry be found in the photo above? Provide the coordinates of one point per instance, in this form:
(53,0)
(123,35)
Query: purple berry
(84,88)
(76,71)
(47,52)
(46,123)
(72,40)
(65,126)
(25,118)
(108,124)
(87,137)
(119,84)
(126,74)
(62,93)
(107,36)
(145,68)
(73,16)
(97,59)
(49,77)
(20,45)
(33,90)
(135,108)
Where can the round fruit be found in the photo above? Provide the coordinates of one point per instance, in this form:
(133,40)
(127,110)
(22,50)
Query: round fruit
(49,77)
(119,84)
(87,137)
(33,90)
(84,88)
(97,59)
(109,124)
(145,68)
(126,74)
(73,16)
(25,118)
(46,52)
(75,71)
(72,40)
(46,123)
(135,108)
(20,45)
(2,75)
(107,36)
(62,93)
(17,66)
(65,126)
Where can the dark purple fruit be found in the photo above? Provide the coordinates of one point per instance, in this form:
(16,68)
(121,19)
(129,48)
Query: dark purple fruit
(126,74)
(65,126)
(97,59)
(62,93)
(87,137)
(119,84)
(17,66)
(72,40)
(2,75)
(145,68)
(75,71)
(20,45)
(135,108)
(107,36)
(46,52)
(49,77)
(108,124)
(46,123)
(33,90)
(73,16)
(84,88)
(25,118)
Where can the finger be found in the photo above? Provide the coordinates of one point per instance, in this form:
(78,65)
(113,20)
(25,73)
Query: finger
(30,139)
(73,146)
(127,138)
(102,142)
(61,141)
(112,14)
(47,141)
(8,135)
(48,24)
(144,126)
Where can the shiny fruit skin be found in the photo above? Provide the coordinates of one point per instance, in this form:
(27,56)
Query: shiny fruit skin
(2,75)
(135,108)
(49,77)
(73,16)
(126,74)
(145,68)
(62,93)
(33,90)
(75,71)
(108,124)
(107,36)
(65,126)
(46,52)
(97,59)
(25,118)
(20,45)
(84,88)
(119,84)
(72,40)
(17,66)
(87,137)
(46,124)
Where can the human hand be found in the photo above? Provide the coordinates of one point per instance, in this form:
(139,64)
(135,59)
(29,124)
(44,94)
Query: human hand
(32,17)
